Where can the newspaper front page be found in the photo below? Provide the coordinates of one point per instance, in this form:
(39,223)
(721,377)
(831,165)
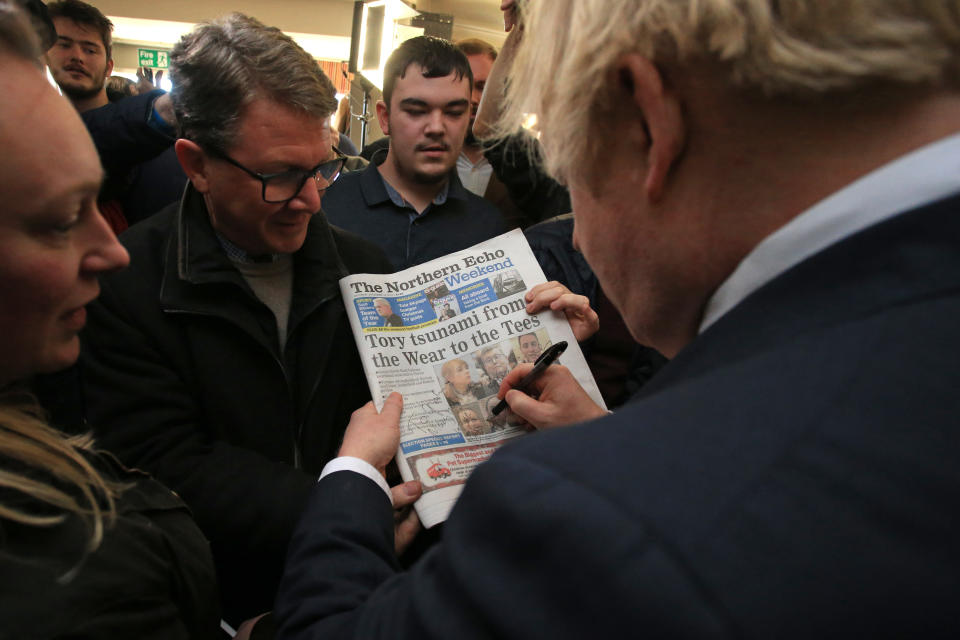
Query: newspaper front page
(444,334)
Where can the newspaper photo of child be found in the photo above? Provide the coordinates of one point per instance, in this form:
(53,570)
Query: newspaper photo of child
(470,421)
(459,386)
(500,421)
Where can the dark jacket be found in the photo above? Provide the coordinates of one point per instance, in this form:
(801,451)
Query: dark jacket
(183,377)
(122,133)
(790,474)
(143,173)
(519,187)
(151,577)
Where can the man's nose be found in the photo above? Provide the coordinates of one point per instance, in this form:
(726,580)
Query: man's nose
(435,123)
(311,193)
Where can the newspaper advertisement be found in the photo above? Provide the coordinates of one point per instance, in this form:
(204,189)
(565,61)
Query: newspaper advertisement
(444,334)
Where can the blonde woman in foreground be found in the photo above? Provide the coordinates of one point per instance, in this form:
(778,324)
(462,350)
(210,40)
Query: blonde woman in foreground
(87,548)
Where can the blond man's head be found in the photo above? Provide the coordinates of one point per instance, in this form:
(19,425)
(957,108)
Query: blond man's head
(776,48)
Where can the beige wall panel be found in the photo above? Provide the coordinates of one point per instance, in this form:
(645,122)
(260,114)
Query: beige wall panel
(125,56)
(326,17)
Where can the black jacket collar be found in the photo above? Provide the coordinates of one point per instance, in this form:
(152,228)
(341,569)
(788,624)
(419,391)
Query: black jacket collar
(199,275)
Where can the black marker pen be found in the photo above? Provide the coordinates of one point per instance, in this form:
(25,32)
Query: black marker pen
(546,359)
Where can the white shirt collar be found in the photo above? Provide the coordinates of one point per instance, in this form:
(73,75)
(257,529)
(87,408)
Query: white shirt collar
(924,175)
(475,177)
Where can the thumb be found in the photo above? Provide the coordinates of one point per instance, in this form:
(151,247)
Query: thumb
(406,493)
(392,407)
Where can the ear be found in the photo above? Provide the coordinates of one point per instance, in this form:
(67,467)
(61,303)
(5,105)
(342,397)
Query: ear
(662,117)
(109,68)
(383,116)
(194,163)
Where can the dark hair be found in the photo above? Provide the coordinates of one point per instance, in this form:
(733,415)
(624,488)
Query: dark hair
(477,47)
(221,66)
(87,15)
(40,20)
(16,35)
(119,88)
(436,57)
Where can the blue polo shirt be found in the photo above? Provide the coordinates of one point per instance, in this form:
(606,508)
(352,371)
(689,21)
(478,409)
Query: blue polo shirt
(364,203)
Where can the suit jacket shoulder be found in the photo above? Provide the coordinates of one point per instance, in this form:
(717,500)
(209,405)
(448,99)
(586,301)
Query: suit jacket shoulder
(789,474)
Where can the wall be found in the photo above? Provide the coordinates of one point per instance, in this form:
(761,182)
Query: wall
(472,18)
(332,17)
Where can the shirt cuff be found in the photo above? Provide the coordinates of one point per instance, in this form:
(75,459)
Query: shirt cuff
(364,468)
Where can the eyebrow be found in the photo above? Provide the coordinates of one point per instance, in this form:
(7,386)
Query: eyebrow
(85,187)
(94,184)
(90,43)
(417,102)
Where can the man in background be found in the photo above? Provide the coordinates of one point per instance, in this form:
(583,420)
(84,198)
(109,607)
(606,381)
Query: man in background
(474,170)
(134,136)
(81,59)
(502,173)
(413,205)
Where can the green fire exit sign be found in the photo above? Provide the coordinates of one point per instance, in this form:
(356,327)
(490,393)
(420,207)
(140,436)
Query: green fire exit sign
(153,58)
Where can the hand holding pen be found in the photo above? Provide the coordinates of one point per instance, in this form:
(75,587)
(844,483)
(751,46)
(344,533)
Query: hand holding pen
(561,400)
(547,358)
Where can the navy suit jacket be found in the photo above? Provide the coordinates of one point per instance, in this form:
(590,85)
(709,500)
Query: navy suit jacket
(792,473)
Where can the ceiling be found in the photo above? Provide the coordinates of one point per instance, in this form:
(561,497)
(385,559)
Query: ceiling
(327,22)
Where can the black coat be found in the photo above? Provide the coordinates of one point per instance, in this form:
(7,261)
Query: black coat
(151,577)
(143,173)
(183,377)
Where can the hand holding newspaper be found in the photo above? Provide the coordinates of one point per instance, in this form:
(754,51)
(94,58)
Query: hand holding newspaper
(444,334)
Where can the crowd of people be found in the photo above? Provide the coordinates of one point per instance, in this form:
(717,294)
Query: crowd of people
(762,264)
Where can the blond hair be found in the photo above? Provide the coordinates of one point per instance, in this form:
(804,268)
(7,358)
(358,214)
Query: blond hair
(776,47)
(36,460)
(47,466)
(449,366)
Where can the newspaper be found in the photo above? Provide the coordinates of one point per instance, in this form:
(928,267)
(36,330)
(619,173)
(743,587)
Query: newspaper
(444,334)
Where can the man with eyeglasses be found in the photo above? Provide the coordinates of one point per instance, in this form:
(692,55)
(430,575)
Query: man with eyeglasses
(222,361)
(495,365)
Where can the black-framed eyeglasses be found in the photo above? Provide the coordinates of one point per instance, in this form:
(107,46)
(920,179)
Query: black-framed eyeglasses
(282,187)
